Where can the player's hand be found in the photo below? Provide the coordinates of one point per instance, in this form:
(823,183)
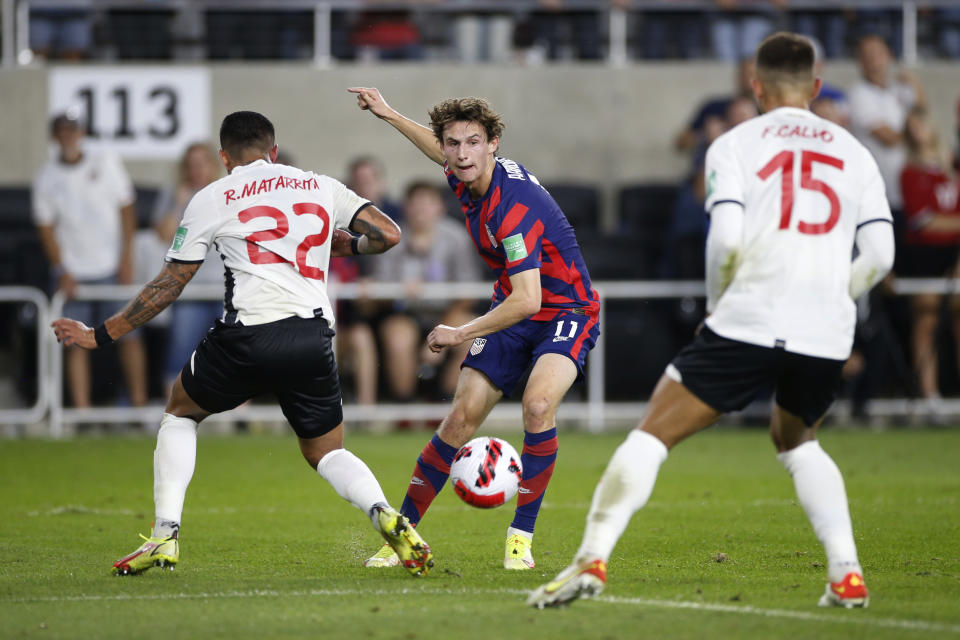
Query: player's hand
(443,336)
(341,244)
(70,332)
(369,99)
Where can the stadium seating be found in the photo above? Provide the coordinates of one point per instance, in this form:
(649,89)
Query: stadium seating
(644,213)
(580,203)
(21,258)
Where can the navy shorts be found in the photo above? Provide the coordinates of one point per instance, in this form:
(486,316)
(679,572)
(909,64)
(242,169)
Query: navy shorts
(506,355)
(728,375)
(290,358)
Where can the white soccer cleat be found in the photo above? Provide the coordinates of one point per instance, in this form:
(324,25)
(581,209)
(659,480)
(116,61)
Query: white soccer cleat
(385,557)
(849,593)
(580,580)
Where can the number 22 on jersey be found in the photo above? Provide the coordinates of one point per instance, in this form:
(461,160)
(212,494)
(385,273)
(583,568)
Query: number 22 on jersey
(259,256)
(784,162)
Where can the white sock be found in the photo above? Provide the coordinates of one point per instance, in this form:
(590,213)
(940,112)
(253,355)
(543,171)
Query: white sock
(625,487)
(173,463)
(352,480)
(822,495)
(525,534)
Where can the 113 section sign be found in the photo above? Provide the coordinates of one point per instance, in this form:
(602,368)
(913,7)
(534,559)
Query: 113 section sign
(139,112)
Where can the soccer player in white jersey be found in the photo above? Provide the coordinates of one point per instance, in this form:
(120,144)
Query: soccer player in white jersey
(275,227)
(790,196)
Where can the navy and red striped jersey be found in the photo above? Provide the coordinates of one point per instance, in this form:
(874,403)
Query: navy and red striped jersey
(517,226)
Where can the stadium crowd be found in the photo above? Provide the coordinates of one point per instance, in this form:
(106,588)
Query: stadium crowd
(527,32)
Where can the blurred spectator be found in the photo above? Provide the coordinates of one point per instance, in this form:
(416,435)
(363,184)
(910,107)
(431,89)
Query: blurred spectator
(878,110)
(190,320)
(826,27)
(688,225)
(259,35)
(561,32)
(84,212)
(367,177)
(739,26)
(356,342)
(486,37)
(948,26)
(140,34)
(931,241)
(434,249)
(882,23)
(65,34)
(386,35)
(831,103)
(714,110)
(673,34)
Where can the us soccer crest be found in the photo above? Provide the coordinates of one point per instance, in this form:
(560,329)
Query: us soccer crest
(477,346)
(493,238)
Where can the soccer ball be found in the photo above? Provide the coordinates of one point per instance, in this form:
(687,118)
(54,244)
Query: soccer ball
(486,472)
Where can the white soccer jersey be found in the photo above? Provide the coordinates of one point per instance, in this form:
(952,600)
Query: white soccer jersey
(82,202)
(805,185)
(273,226)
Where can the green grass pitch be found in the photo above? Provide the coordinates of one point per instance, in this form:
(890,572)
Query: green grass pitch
(269,551)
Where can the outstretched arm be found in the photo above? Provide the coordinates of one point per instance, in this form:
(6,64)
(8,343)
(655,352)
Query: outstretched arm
(155,296)
(369,99)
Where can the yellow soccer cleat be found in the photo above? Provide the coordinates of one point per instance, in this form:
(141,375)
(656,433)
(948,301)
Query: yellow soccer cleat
(385,557)
(579,580)
(517,555)
(412,551)
(154,552)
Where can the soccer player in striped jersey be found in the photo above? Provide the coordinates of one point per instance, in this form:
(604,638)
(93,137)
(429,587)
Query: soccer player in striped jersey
(544,310)
(790,196)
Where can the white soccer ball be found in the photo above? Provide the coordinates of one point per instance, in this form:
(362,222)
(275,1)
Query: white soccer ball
(486,472)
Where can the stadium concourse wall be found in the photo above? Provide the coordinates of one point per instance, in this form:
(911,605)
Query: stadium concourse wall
(583,123)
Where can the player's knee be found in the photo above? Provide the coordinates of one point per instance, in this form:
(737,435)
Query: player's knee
(537,410)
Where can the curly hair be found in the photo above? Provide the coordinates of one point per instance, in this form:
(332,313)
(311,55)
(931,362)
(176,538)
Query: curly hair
(466,110)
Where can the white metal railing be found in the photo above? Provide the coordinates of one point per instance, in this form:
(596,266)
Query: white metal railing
(15,16)
(38,410)
(593,412)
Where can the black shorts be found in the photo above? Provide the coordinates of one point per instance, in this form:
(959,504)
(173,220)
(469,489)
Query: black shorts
(290,358)
(727,375)
(926,261)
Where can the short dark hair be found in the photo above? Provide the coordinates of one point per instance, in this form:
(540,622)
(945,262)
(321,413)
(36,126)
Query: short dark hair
(67,119)
(359,161)
(244,130)
(422,185)
(466,110)
(785,58)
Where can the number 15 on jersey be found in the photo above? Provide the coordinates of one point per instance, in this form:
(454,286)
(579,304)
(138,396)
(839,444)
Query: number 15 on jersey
(785,162)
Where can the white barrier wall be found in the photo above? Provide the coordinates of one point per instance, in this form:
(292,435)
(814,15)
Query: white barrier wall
(581,122)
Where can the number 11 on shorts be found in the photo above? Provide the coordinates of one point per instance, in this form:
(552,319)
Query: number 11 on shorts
(558,337)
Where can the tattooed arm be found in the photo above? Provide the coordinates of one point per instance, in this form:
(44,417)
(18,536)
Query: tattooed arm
(378,230)
(155,296)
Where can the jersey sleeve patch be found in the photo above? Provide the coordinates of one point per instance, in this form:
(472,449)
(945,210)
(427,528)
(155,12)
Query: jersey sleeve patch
(178,239)
(515,247)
